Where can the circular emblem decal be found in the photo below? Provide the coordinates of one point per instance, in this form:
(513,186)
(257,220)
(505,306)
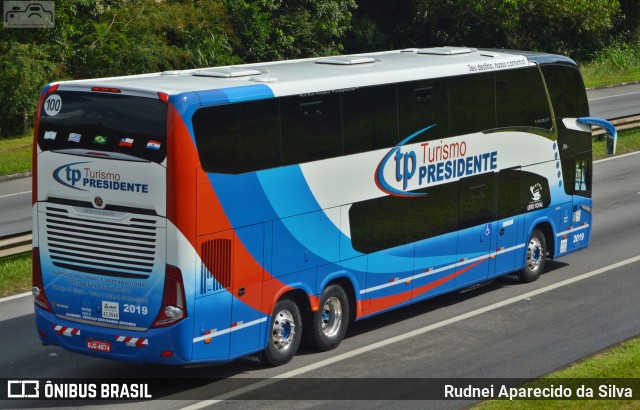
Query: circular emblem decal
(98,202)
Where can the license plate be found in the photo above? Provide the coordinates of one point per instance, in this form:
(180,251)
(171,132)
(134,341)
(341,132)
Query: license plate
(99,345)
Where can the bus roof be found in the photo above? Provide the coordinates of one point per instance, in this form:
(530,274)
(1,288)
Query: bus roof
(320,74)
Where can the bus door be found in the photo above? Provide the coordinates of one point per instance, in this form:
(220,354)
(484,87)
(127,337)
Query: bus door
(476,229)
(509,224)
(581,211)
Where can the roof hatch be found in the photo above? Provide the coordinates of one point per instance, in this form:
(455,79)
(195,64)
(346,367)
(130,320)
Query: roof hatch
(347,60)
(446,51)
(226,72)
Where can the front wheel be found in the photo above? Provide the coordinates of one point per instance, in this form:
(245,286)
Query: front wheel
(330,322)
(535,258)
(285,333)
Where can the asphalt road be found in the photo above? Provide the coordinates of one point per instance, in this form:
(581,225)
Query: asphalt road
(615,101)
(503,330)
(15,206)
(15,199)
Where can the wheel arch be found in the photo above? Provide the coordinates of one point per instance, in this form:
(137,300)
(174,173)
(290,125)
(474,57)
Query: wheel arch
(548,231)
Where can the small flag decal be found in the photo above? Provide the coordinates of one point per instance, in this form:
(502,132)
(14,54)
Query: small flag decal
(126,142)
(50,135)
(152,144)
(73,137)
(99,139)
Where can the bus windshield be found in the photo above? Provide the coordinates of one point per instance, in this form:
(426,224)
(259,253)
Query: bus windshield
(124,124)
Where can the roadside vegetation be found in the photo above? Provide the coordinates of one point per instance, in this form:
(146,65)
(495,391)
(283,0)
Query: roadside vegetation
(616,64)
(98,38)
(15,154)
(15,274)
(628,141)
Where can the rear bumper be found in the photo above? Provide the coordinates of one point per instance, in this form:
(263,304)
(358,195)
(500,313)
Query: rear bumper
(150,346)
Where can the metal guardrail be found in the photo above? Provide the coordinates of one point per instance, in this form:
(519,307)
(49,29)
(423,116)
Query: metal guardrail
(14,245)
(621,123)
(20,243)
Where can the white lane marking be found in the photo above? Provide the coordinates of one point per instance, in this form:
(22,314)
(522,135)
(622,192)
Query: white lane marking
(399,338)
(616,157)
(18,296)
(613,96)
(17,193)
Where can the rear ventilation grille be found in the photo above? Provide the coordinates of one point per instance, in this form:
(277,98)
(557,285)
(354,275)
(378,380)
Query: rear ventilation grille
(215,269)
(126,247)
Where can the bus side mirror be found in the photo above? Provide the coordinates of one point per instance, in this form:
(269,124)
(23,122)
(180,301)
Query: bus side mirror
(610,129)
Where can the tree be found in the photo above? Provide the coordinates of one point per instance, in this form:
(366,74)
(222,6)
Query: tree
(279,29)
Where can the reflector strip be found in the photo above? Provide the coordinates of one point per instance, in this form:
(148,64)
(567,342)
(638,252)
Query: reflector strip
(208,334)
(573,229)
(432,271)
(133,341)
(66,331)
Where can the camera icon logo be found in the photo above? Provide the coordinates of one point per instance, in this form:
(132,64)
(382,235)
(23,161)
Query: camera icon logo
(28,14)
(23,389)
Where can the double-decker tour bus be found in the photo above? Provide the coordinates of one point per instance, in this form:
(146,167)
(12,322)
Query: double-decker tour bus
(204,215)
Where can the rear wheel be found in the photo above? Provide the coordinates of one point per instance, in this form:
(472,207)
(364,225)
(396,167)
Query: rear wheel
(535,257)
(285,333)
(330,322)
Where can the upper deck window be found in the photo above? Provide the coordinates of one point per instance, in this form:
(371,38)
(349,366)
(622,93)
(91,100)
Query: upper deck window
(101,122)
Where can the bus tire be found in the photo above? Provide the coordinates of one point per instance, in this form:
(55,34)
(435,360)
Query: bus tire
(534,258)
(285,333)
(330,322)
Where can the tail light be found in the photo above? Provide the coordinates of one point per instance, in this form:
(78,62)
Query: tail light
(37,290)
(174,307)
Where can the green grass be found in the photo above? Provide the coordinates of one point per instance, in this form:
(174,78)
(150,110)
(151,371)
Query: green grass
(616,363)
(15,274)
(603,75)
(628,141)
(15,155)
(616,64)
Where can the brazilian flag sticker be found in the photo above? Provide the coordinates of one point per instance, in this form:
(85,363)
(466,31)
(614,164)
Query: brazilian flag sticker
(99,139)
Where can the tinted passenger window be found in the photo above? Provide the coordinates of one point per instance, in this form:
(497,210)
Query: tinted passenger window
(238,138)
(434,214)
(379,224)
(476,200)
(390,221)
(369,117)
(472,103)
(99,121)
(311,128)
(568,96)
(521,99)
(509,202)
(422,104)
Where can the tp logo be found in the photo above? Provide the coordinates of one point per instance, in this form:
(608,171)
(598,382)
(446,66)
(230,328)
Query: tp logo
(69,176)
(405,168)
(23,389)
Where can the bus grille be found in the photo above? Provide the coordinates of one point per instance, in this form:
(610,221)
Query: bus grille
(124,247)
(216,263)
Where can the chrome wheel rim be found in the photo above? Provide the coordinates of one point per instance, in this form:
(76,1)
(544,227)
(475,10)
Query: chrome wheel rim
(534,254)
(331,317)
(283,330)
